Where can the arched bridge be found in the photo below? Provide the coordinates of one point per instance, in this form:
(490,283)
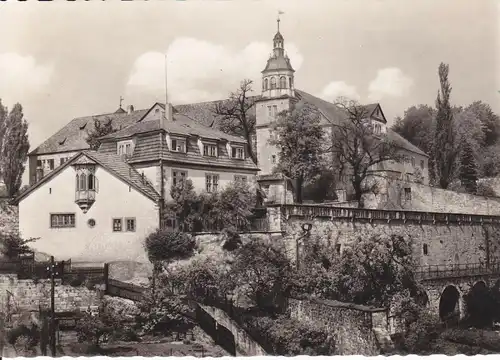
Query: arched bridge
(446,285)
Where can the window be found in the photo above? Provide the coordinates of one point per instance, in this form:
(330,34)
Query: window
(273,159)
(412,161)
(275,110)
(130,224)
(157,110)
(178,145)
(270,111)
(422,164)
(407,194)
(283,82)
(211,182)
(117,225)
(408,177)
(291,82)
(62,220)
(51,164)
(273,83)
(426,249)
(91,182)
(62,161)
(210,150)
(266,84)
(121,149)
(39,163)
(338,247)
(128,149)
(178,176)
(82,184)
(240,178)
(238,152)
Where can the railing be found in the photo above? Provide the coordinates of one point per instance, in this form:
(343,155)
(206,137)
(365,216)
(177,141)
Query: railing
(85,195)
(455,271)
(256,224)
(310,210)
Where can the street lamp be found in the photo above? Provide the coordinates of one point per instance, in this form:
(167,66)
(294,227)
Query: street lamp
(306,229)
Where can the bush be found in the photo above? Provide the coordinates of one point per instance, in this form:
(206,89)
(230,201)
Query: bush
(484,189)
(24,338)
(289,337)
(421,334)
(96,328)
(12,245)
(167,245)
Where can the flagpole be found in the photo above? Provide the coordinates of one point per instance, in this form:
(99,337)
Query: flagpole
(166,86)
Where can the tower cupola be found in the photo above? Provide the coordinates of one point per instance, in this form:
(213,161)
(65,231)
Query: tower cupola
(277,77)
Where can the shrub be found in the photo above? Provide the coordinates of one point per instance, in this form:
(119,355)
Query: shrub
(12,245)
(289,337)
(24,338)
(484,189)
(167,245)
(421,334)
(96,328)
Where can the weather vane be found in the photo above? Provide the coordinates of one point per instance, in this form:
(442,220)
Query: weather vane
(279,13)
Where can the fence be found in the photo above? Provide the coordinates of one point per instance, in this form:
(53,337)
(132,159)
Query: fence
(220,334)
(124,290)
(25,267)
(455,271)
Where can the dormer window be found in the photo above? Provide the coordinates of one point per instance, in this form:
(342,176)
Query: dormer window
(125,148)
(178,145)
(237,152)
(210,150)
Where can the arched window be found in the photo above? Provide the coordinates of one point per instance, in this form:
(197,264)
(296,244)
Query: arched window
(77,182)
(266,84)
(91,182)
(83,182)
(283,82)
(273,83)
(291,82)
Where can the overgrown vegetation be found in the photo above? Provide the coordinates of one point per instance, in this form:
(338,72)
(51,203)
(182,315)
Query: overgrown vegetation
(12,245)
(100,129)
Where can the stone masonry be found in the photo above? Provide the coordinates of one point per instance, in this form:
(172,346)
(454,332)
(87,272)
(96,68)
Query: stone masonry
(25,295)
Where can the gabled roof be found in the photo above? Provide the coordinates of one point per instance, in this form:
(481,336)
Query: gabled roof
(334,115)
(181,125)
(73,136)
(113,163)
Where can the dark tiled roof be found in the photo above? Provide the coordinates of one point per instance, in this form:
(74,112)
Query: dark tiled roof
(112,163)
(334,115)
(182,125)
(149,148)
(72,137)
(278,63)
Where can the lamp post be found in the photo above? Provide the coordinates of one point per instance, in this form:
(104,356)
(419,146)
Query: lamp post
(52,268)
(306,229)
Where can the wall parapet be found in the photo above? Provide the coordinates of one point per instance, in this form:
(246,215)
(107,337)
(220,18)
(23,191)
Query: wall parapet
(334,212)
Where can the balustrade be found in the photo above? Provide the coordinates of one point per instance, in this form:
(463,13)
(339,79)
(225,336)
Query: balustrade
(319,211)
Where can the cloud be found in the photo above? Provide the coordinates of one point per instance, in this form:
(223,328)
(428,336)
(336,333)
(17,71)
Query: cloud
(337,89)
(389,82)
(21,75)
(199,70)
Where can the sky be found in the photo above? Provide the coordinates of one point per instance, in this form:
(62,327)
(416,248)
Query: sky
(63,60)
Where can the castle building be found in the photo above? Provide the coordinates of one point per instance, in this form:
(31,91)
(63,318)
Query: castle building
(100,205)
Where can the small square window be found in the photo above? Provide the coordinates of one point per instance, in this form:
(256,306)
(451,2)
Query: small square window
(117,225)
(407,194)
(178,145)
(39,163)
(237,153)
(130,223)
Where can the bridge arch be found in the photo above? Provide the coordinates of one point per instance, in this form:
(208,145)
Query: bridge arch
(449,303)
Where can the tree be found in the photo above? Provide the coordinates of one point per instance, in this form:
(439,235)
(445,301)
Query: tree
(100,130)
(444,141)
(12,245)
(14,148)
(234,206)
(95,328)
(186,206)
(299,137)
(418,126)
(357,149)
(236,118)
(468,169)
(261,270)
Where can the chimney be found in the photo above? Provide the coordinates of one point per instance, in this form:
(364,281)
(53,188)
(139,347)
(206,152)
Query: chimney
(130,109)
